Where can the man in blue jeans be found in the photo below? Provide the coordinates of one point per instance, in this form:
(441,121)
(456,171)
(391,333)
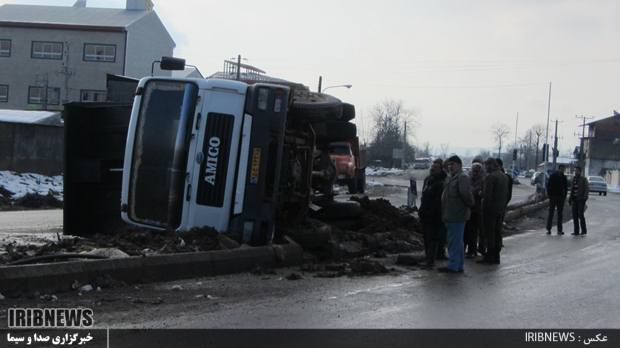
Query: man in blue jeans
(456,203)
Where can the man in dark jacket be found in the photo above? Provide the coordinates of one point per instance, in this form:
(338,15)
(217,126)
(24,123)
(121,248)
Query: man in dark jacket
(580,189)
(430,213)
(473,225)
(500,163)
(556,191)
(494,199)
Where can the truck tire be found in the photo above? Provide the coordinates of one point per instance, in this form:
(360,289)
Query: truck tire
(340,210)
(352,185)
(325,107)
(348,112)
(361,180)
(331,131)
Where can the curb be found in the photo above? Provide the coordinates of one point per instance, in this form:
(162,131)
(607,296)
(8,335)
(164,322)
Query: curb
(525,209)
(60,276)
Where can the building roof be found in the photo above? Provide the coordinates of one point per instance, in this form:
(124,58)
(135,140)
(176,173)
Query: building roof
(86,17)
(606,118)
(50,118)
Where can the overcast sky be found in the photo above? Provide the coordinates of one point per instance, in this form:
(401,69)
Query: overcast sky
(460,65)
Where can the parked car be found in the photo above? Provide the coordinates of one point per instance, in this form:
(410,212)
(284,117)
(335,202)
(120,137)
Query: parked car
(422,163)
(533,178)
(529,173)
(598,184)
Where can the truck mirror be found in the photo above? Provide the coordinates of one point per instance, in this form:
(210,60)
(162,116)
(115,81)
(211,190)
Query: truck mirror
(172,63)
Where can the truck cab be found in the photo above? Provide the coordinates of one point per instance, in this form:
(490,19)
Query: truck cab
(205,153)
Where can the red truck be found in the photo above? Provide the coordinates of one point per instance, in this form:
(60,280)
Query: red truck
(348,163)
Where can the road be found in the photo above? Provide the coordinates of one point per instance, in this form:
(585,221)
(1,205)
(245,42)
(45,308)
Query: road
(30,226)
(543,282)
(394,187)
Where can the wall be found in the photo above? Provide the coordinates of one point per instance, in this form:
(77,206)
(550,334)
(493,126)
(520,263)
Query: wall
(147,40)
(31,148)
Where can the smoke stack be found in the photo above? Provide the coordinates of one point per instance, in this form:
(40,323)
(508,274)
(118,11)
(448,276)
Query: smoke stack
(139,5)
(80,4)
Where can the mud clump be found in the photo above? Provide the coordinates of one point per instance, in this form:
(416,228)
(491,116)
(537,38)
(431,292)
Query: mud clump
(352,268)
(380,229)
(136,242)
(30,201)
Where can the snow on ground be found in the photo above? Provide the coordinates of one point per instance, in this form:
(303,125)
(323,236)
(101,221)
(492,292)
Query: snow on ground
(20,184)
(379,171)
(373,183)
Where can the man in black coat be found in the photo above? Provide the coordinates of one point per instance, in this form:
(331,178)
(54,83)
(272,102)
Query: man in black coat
(557,188)
(430,213)
(500,163)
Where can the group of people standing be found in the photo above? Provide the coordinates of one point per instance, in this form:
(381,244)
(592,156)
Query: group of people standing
(557,190)
(464,211)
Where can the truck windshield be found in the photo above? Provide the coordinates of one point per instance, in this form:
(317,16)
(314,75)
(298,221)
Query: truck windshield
(160,152)
(339,149)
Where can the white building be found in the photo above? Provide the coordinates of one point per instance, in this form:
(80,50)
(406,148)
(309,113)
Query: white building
(51,55)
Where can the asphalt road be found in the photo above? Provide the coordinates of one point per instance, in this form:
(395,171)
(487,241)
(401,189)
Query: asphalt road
(394,188)
(543,282)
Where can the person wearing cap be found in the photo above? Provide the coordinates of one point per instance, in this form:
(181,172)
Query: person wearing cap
(494,200)
(456,203)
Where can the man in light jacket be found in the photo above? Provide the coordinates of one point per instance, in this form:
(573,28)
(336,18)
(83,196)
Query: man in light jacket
(456,203)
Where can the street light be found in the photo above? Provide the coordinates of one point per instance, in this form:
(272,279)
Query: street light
(326,88)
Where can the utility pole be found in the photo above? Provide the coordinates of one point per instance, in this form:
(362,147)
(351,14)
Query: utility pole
(404,143)
(238,67)
(320,83)
(43,80)
(67,72)
(582,140)
(555,146)
(515,146)
(546,154)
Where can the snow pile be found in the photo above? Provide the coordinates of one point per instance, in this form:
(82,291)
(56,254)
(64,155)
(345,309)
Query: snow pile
(379,171)
(15,187)
(373,183)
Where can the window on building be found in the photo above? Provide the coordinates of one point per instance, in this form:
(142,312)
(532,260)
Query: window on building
(5,48)
(46,50)
(99,53)
(4,93)
(37,95)
(89,95)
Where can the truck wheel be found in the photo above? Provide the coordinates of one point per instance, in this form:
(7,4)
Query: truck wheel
(352,185)
(319,108)
(348,112)
(262,236)
(335,131)
(340,210)
(361,180)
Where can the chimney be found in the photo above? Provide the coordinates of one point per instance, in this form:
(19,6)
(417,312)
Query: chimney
(80,4)
(139,5)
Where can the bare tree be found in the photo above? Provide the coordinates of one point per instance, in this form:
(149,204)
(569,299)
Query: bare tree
(500,131)
(538,131)
(389,117)
(444,148)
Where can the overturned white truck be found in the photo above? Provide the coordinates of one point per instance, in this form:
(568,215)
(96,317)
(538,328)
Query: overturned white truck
(230,155)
